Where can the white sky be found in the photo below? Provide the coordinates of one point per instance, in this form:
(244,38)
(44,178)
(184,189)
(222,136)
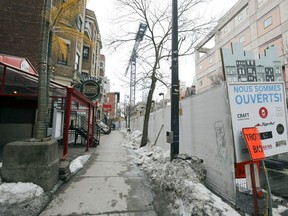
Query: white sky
(104,13)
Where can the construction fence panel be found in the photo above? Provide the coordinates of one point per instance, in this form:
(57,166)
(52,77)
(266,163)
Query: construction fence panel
(205,132)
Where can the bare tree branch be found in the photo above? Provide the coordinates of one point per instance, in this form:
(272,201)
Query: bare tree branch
(154,52)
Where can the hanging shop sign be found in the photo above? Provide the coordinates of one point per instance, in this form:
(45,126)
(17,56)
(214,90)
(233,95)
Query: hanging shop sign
(261,105)
(90,88)
(107,107)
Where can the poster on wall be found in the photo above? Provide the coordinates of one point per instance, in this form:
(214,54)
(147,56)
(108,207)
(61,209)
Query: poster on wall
(261,105)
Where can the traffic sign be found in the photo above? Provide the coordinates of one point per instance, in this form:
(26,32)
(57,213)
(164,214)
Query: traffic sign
(253,141)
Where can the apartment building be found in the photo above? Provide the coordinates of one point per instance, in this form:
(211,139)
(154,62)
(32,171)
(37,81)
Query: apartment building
(21,36)
(91,53)
(81,57)
(257,24)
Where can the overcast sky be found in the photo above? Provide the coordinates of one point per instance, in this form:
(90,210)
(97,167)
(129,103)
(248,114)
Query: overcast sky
(104,13)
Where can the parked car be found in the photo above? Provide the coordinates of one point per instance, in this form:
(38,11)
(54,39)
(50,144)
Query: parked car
(105,129)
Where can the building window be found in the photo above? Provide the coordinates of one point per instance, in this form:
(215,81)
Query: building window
(200,67)
(240,17)
(101,65)
(62,58)
(85,53)
(268,22)
(77,61)
(84,75)
(242,39)
(201,82)
(62,50)
(226,28)
(262,2)
(94,36)
(79,23)
(210,59)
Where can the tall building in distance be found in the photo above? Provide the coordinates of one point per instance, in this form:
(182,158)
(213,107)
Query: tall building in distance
(256,24)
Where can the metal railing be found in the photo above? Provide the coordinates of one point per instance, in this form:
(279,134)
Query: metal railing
(79,123)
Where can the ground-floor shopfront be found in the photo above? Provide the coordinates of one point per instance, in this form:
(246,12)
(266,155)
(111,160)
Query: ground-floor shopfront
(19,101)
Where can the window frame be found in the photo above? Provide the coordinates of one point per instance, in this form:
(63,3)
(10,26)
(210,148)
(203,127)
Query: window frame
(77,62)
(86,54)
(267,22)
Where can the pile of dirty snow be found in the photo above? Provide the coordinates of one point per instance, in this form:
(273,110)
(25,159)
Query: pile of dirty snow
(25,199)
(78,163)
(179,182)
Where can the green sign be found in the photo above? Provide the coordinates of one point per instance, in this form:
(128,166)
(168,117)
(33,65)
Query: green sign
(90,88)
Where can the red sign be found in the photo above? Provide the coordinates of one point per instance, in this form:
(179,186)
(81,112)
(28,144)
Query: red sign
(253,142)
(240,169)
(107,107)
(263,112)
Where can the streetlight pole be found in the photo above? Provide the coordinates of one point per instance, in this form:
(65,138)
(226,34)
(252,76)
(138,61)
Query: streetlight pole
(174,83)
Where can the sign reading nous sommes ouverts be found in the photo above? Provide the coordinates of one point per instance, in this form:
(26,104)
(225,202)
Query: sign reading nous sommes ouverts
(90,88)
(261,105)
(257,98)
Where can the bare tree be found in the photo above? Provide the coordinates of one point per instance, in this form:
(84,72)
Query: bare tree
(154,52)
(217,78)
(123,112)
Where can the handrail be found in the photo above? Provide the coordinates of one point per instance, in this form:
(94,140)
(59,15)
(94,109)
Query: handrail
(82,122)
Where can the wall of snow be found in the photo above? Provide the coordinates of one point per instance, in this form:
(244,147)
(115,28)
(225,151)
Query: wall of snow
(205,131)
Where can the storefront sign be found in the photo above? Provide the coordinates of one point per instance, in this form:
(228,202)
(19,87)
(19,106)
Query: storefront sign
(90,88)
(107,107)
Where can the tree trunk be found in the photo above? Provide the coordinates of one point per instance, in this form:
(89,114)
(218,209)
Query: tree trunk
(40,129)
(144,139)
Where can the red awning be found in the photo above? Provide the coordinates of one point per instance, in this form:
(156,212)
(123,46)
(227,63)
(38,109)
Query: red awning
(17,62)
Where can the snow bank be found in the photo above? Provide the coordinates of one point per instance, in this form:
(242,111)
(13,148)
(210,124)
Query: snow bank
(78,163)
(18,192)
(181,180)
(132,140)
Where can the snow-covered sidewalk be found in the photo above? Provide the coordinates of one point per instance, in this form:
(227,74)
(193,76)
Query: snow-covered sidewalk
(179,183)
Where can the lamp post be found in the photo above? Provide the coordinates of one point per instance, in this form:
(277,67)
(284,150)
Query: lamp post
(174,149)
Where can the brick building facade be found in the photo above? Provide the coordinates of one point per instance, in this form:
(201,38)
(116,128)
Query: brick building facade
(20,29)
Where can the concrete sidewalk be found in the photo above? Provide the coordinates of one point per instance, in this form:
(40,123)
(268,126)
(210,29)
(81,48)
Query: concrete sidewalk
(109,184)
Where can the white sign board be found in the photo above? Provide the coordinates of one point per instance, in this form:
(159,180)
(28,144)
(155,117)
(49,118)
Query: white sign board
(261,105)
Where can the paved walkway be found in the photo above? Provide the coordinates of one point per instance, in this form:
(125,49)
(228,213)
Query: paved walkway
(109,184)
